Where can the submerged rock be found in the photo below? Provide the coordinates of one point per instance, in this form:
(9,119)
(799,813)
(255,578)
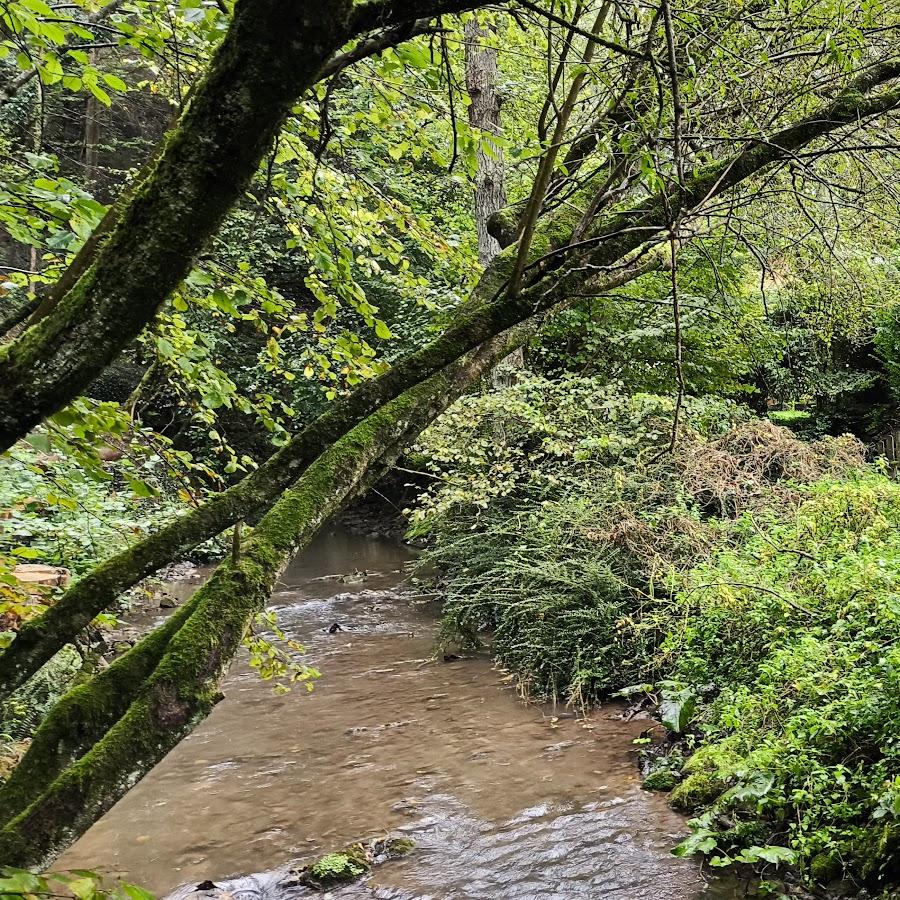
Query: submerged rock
(332,870)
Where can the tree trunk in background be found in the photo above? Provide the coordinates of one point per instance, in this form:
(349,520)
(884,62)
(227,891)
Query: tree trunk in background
(484,117)
(490,180)
(91,135)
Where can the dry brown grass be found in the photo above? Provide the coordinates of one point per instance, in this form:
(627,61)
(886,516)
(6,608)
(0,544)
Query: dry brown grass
(741,469)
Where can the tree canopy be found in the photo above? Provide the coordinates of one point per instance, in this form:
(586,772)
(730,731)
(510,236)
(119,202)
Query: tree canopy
(256,247)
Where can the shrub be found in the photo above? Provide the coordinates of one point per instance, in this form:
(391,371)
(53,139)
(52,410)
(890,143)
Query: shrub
(753,573)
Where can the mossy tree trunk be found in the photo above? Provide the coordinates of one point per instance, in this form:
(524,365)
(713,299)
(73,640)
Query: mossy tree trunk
(557,272)
(273,51)
(105,735)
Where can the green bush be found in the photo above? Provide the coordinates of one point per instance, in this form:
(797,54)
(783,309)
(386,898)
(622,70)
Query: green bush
(806,725)
(751,577)
(549,593)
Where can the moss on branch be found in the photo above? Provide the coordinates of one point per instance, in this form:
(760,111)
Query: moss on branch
(104,736)
(83,716)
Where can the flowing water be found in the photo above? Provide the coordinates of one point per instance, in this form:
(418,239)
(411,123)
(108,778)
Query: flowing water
(503,799)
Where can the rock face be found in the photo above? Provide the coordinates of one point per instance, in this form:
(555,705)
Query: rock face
(35,576)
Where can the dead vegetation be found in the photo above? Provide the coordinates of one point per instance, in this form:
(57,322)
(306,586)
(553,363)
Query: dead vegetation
(743,468)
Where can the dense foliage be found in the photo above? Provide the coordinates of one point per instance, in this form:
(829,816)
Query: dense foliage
(746,583)
(225,338)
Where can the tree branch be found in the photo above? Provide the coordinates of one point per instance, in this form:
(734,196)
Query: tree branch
(23,78)
(376,43)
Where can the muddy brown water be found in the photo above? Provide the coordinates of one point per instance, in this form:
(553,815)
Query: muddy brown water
(504,799)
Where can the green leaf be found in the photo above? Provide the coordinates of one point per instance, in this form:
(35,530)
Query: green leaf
(27,553)
(51,70)
(40,441)
(115,82)
(99,93)
(696,843)
(633,689)
(675,711)
(133,892)
(19,882)
(140,488)
(755,786)
(770,853)
(53,32)
(414,55)
(83,888)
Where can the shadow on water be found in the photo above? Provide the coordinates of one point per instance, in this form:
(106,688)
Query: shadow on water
(503,799)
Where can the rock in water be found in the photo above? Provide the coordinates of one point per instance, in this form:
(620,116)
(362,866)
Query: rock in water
(332,870)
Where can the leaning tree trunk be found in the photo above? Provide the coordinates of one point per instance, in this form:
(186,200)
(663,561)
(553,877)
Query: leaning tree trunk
(273,52)
(556,273)
(96,745)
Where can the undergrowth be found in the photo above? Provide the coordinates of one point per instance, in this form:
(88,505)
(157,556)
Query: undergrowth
(747,583)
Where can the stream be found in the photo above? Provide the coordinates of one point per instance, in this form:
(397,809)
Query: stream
(503,799)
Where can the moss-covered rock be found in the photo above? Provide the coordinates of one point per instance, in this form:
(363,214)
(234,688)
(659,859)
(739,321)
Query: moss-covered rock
(399,847)
(661,780)
(352,862)
(338,868)
(826,866)
(696,790)
(876,853)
